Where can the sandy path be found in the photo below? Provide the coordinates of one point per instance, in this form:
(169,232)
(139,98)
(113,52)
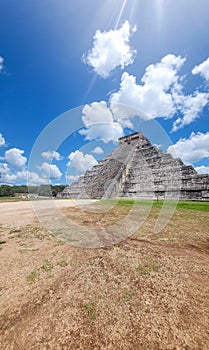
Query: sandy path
(24,213)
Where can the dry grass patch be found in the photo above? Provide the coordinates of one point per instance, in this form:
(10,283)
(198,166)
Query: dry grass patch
(99,215)
(148,292)
(186,228)
(29,231)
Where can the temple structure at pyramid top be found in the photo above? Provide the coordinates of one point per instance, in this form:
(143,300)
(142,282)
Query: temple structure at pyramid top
(133,138)
(137,169)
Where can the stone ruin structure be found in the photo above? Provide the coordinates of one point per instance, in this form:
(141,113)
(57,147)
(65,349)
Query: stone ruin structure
(137,169)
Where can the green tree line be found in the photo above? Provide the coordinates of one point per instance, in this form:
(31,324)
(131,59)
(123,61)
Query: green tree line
(42,190)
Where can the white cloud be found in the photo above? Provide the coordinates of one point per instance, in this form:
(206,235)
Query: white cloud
(23,175)
(19,174)
(81,162)
(35,179)
(14,157)
(96,112)
(202,69)
(105,132)
(2,140)
(164,73)
(193,149)
(191,107)
(49,155)
(202,169)
(9,178)
(154,95)
(1,63)
(99,123)
(50,171)
(111,49)
(98,150)
(160,94)
(4,168)
(72,177)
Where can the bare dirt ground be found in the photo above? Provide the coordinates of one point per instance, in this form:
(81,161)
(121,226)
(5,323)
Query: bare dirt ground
(150,291)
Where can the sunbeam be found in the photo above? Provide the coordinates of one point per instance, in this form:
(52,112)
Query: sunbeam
(120,13)
(133,10)
(159,13)
(90,87)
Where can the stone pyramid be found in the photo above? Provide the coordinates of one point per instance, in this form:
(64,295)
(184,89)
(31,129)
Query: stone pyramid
(137,169)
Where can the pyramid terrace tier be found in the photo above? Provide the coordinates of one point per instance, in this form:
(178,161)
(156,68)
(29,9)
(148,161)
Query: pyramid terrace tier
(137,169)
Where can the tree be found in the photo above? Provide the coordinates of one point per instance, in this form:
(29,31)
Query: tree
(6,190)
(56,189)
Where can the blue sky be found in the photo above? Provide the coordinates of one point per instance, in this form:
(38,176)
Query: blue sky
(88,59)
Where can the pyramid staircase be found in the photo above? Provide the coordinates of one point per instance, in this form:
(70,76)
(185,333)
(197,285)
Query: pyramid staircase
(137,169)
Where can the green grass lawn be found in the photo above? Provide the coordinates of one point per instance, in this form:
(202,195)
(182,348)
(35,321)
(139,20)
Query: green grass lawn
(12,199)
(126,202)
(18,199)
(158,204)
(193,205)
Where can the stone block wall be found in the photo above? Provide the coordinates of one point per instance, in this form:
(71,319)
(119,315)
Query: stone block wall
(137,169)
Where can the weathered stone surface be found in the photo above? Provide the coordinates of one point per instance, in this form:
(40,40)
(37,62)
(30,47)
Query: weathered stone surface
(137,169)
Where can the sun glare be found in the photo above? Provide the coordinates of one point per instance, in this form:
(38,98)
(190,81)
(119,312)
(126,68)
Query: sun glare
(159,12)
(120,13)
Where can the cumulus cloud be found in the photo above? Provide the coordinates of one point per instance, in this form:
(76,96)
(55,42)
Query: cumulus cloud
(15,158)
(35,179)
(1,63)
(50,171)
(193,149)
(31,177)
(49,155)
(4,168)
(153,96)
(160,94)
(99,122)
(103,132)
(191,108)
(81,162)
(98,150)
(72,178)
(7,176)
(96,112)
(111,49)
(2,140)
(202,169)
(21,175)
(202,69)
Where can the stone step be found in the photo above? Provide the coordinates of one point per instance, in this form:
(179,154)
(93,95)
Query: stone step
(138,169)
